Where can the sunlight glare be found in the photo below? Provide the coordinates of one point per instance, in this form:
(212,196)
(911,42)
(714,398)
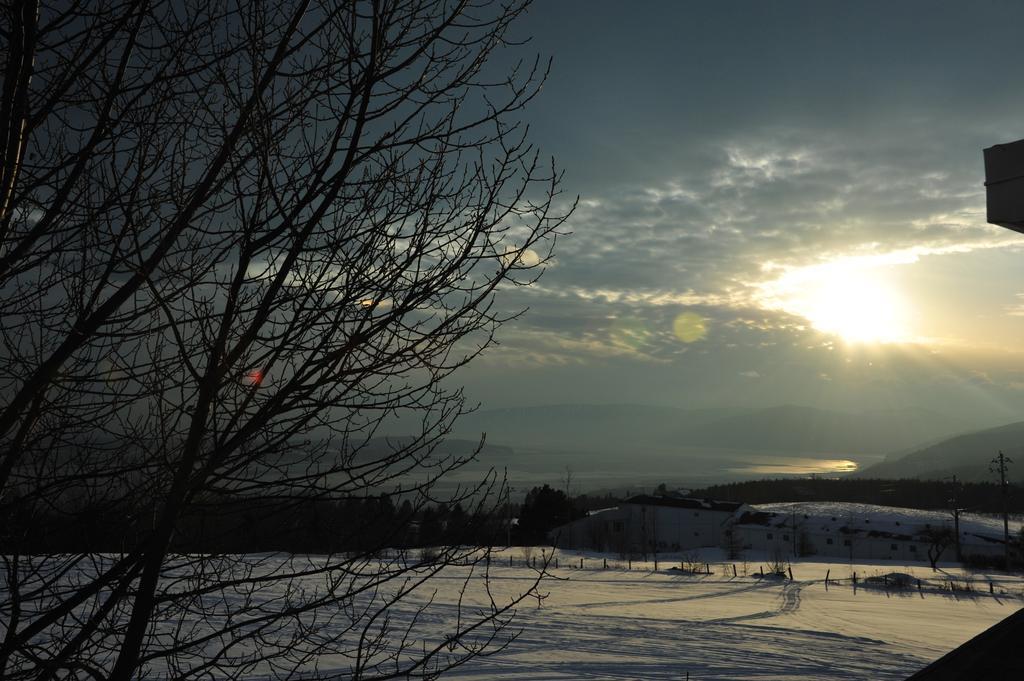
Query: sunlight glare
(849,298)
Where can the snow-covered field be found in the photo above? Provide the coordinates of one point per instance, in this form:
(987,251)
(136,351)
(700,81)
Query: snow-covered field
(642,624)
(604,621)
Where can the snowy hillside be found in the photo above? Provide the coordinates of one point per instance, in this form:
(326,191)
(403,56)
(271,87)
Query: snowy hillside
(891,518)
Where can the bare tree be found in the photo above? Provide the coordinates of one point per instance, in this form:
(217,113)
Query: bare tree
(939,539)
(236,240)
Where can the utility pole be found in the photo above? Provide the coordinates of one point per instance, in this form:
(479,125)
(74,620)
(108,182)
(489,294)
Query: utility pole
(955,509)
(508,513)
(795,553)
(998,465)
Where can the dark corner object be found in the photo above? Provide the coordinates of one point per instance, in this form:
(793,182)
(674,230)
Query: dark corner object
(993,655)
(1004,185)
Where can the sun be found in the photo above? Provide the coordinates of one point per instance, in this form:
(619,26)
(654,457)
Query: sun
(850,299)
(857,308)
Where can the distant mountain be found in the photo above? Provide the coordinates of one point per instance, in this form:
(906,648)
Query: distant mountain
(791,429)
(799,429)
(456,447)
(967,456)
(584,426)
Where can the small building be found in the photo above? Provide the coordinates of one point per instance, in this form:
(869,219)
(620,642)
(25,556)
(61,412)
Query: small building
(1004,185)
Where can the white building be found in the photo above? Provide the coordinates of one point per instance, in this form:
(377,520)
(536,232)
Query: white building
(646,524)
(799,534)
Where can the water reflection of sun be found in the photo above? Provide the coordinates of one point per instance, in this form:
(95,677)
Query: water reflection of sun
(800,466)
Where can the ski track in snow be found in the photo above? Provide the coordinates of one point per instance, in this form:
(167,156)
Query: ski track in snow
(680,599)
(789,603)
(611,624)
(564,646)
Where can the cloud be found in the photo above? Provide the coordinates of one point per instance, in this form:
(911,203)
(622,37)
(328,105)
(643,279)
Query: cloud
(762,210)
(705,181)
(1017,309)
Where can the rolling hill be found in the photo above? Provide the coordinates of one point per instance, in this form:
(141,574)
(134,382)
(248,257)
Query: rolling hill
(790,429)
(967,456)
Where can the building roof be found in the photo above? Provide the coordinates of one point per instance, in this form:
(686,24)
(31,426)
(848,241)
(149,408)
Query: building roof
(756,518)
(993,655)
(686,502)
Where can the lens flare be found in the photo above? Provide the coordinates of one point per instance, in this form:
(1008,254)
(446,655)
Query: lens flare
(689,327)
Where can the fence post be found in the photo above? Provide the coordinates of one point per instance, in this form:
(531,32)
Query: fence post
(605,563)
(734,569)
(827,573)
(581,562)
(629,564)
(556,563)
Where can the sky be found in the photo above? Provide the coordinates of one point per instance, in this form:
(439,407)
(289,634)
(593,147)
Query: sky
(780,203)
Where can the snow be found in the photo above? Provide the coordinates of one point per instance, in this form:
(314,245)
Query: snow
(642,623)
(619,624)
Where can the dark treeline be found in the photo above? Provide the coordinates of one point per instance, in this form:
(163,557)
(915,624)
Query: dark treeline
(295,525)
(372,523)
(256,524)
(980,497)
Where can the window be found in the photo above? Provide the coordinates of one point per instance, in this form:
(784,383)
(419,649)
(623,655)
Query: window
(829,540)
(893,546)
(913,549)
(696,514)
(785,537)
(617,526)
(770,535)
(846,542)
